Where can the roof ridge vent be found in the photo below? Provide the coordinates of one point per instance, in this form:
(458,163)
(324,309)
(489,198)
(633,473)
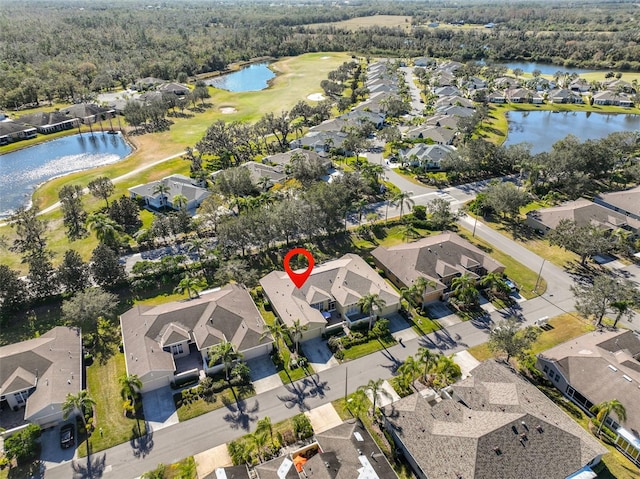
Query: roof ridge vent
(613,368)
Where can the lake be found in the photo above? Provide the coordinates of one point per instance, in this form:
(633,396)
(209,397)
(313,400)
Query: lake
(543,128)
(23,170)
(545,68)
(255,77)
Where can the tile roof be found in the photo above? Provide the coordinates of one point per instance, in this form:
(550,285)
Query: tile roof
(433,257)
(53,362)
(603,366)
(346,280)
(228,313)
(496,425)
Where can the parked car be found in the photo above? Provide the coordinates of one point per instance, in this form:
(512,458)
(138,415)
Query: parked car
(67,438)
(511,284)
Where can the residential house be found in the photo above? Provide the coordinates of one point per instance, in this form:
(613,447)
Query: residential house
(11,131)
(88,113)
(443,79)
(626,202)
(493,424)
(329,297)
(424,62)
(496,97)
(506,82)
(523,95)
(563,95)
(283,159)
(439,258)
(172,340)
(454,100)
(175,88)
(358,117)
(438,134)
(596,367)
(460,111)
(450,66)
(147,83)
(48,122)
(446,121)
(618,84)
(320,141)
(580,85)
(39,373)
(376,102)
(332,124)
(583,212)
(276,174)
(346,451)
(612,98)
(428,157)
(176,185)
(447,91)
(475,83)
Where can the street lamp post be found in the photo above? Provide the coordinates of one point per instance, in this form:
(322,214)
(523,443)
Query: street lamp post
(475,223)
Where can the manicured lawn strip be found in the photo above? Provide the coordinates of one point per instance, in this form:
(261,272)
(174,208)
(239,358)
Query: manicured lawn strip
(200,406)
(359,350)
(565,327)
(523,276)
(103,386)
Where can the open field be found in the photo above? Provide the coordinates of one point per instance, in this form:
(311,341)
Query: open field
(389,21)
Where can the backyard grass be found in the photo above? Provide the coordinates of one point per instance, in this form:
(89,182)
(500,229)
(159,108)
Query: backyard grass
(523,276)
(564,327)
(388,21)
(103,386)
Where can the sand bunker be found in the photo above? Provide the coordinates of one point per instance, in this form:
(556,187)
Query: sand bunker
(316,97)
(227,110)
(325,58)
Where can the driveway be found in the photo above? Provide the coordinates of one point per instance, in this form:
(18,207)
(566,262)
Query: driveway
(264,374)
(400,329)
(318,354)
(52,454)
(159,409)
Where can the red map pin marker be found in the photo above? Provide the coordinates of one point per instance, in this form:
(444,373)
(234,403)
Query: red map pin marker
(298,278)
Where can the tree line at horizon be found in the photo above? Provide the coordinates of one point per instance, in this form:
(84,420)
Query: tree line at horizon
(71,51)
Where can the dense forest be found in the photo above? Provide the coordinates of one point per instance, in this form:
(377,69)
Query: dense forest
(67,50)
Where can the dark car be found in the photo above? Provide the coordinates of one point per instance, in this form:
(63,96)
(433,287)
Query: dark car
(67,436)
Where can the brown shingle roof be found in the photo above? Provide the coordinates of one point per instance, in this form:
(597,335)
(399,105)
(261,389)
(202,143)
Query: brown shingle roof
(496,426)
(583,212)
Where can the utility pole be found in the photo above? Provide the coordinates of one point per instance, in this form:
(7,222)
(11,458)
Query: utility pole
(535,290)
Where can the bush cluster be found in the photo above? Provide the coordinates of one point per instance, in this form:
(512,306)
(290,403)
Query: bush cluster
(360,334)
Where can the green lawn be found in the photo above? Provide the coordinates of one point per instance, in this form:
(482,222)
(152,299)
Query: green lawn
(359,350)
(200,406)
(103,386)
(564,327)
(523,276)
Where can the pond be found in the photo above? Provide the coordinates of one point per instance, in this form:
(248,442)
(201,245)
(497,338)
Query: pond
(252,78)
(545,68)
(543,128)
(22,171)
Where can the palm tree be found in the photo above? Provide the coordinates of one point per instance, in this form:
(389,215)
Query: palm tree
(264,426)
(428,359)
(130,386)
(369,304)
(161,189)
(463,288)
(446,371)
(276,330)
(106,229)
(603,409)
(408,232)
(296,329)
(180,201)
(190,284)
(357,403)
(82,404)
(264,182)
(495,282)
(225,353)
(622,307)
(402,199)
(360,205)
(409,370)
(375,387)
(421,284)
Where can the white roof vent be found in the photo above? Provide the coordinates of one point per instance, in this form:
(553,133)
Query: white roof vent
(627,378)
(613,368)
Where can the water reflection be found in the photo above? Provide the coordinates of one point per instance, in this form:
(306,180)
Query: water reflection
(22,171)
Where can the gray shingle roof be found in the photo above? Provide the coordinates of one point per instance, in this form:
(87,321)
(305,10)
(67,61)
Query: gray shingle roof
(496,426)
(227,313)
(585,363)
(583,212)
(434,257)
(627,200)
(346,280)
(52,361)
